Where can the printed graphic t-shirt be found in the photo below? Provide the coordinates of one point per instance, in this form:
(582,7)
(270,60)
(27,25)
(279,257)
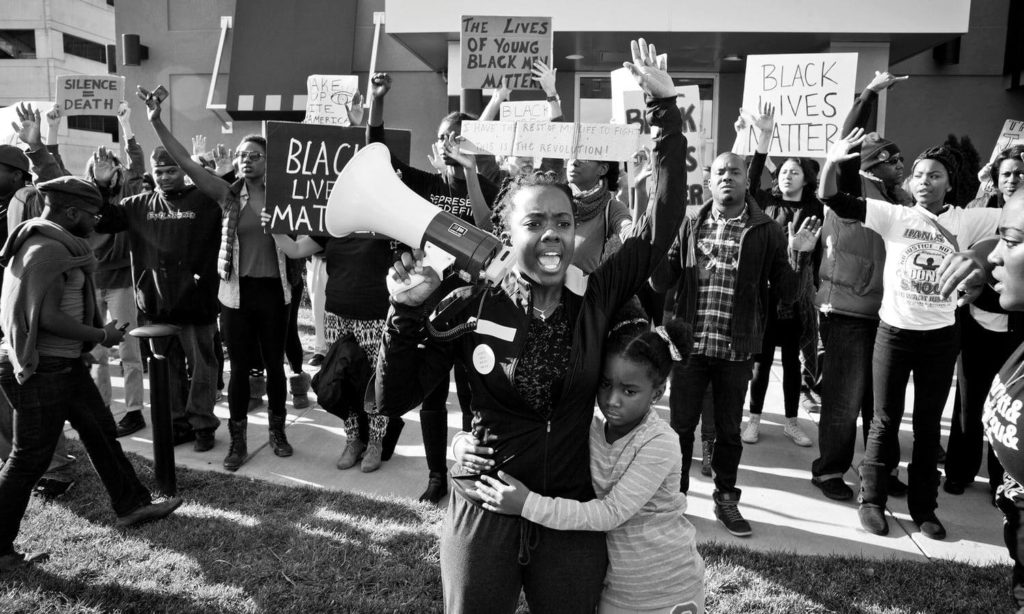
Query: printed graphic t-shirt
(1002,415)
(915,249)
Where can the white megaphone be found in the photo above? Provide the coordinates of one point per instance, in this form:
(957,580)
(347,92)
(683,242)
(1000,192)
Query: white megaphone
(369,196)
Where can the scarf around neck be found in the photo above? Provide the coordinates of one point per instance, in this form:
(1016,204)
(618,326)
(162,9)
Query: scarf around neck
(589,203)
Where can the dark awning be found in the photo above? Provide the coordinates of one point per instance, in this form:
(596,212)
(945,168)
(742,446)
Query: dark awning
(276,45)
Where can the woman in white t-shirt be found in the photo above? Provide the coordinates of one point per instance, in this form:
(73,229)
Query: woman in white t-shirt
(918,332)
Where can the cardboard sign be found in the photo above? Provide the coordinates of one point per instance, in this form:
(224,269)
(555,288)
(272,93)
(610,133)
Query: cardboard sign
(811,92)
(525,111)
(303,162)
(328,97)
(551,139)
(499,51)
(89,94)
(1011,134)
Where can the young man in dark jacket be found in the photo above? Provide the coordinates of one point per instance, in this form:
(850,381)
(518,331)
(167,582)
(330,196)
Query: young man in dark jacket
(726,254)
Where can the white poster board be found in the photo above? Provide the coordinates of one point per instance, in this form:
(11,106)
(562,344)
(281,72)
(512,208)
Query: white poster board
(328,98)
(526,110)
(89,94)
(551,139)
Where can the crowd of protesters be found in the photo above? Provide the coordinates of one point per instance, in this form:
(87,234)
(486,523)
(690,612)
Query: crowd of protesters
(848,255)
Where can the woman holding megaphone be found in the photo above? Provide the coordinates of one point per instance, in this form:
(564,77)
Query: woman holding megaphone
(532,351)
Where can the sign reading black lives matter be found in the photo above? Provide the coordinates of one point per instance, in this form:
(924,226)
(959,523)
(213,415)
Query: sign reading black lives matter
(303,162)
(499,51)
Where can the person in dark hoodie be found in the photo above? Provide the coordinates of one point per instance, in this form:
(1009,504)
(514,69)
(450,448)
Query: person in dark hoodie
(49,318)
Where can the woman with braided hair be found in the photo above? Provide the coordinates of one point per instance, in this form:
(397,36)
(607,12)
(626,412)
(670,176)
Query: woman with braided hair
(918,332)
(532,348)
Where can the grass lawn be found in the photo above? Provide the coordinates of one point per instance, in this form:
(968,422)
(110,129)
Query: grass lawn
(240,545)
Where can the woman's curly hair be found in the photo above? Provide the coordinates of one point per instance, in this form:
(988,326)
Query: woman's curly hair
(512,186)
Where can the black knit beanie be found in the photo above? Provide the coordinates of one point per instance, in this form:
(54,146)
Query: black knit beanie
(947,157)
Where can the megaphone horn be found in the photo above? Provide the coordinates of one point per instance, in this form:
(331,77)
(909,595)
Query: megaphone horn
(369,196)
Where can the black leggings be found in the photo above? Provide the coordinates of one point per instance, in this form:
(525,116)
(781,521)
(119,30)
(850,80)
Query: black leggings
(785,334)
(434,418)
(292,344)
(257,328)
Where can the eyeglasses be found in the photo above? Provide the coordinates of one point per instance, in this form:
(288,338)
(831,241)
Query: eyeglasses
(249,156)
(893,161)
(96,216)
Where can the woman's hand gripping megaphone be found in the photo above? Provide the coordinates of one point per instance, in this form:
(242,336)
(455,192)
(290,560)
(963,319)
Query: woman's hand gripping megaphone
(411,280)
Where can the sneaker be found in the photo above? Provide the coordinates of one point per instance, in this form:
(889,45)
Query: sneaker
(353,452)
(872,519)
(932,528)
(145,513)
(751,432)
(371,459)
(894,487)
(708,449)
(316,360)
(810,401)
(834,488)
(132,422)
(204,440)
(797,434)
(727,512)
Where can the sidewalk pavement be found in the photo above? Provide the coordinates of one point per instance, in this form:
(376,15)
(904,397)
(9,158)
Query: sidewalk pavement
(787,512)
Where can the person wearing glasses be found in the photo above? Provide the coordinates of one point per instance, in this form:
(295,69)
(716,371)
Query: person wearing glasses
(254,291)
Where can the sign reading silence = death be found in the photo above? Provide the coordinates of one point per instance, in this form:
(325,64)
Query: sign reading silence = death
(500,51)
(303,162)
(811,92)
(89,94)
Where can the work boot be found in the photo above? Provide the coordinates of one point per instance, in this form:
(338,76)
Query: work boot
(752,431)
(278,442)
(238,451)
(873,495)
(299,385)
(257,388)
(372,459)
(708,449)
(353,452)
(437,487)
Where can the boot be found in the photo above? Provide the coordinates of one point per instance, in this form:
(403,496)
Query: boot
(391,435)
(278,442)
(873,480)
(238,451)
(353,452)
(372,458)
(437,487)
(705,462)
(257,388)
(299,385)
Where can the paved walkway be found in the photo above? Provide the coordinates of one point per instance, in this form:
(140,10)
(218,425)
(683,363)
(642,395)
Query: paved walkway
(787,512)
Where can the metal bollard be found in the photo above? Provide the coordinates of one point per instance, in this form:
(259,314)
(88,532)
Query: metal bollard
(160,337)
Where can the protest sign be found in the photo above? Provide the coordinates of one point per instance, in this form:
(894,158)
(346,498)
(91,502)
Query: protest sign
(303,162)
(811,92)
(551,139)
(9,115)
(328,97)
(527,110)
(499,51)
(89,94)
(1012,134)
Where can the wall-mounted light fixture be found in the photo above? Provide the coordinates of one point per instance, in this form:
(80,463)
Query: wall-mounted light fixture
(132,50)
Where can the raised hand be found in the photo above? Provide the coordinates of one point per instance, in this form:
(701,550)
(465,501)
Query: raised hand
(28,130)
(355,109)
(650,74)
(222,159)
(380,84)
(764,121)
(199,145)
(152,104)
(103,166)
(545,76)
(451,148)
(124,112)
(436,158)
(884,80)
(840,151)
(805,239)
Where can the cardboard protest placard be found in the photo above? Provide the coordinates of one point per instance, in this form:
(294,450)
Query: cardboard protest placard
(527,110)
(499,51)
(551,139)
(328,98)
(811,93)
(89,94)
(303,162)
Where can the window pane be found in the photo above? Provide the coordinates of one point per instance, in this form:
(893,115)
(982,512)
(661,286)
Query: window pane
(17,44)
(84,48)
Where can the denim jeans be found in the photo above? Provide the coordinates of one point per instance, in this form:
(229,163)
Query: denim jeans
(845,391)
(728,380)
(930,355)
(120,304)
(193,367)
(982,354)
(60,389)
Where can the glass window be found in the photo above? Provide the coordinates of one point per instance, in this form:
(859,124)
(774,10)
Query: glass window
(17,44)
(95,123)
(83,48)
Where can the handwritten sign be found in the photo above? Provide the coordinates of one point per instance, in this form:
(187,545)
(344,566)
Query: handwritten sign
(328,98)
(303,162)
(811,93)
(551,139)
(89,94)
(500,51)
(527,110)
(1011,134)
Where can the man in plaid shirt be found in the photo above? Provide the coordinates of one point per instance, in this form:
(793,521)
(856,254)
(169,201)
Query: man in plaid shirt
(727,253)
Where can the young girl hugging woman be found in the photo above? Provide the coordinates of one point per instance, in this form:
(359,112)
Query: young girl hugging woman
(653,563)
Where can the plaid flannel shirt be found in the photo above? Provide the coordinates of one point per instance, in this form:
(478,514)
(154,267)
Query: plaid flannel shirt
(718,250)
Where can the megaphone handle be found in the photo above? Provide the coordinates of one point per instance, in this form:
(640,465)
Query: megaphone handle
(396,287)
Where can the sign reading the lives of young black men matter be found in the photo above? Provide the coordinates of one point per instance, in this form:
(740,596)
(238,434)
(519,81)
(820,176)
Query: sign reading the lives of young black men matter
(500,51)
(303,162)
(89,94)
(811,92)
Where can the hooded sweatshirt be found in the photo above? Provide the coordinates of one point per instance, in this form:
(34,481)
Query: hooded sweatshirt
(36,254)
